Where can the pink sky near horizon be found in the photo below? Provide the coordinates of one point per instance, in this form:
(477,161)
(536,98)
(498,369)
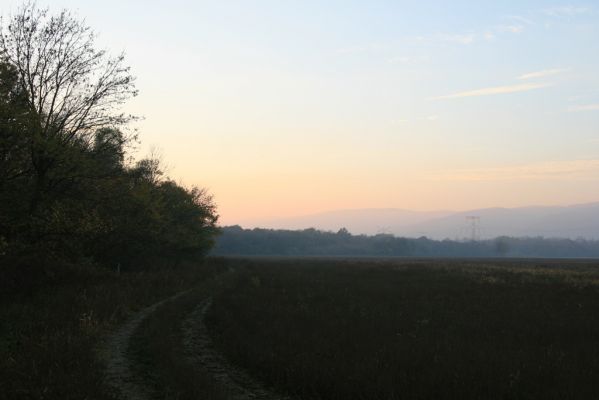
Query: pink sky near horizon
(292,108)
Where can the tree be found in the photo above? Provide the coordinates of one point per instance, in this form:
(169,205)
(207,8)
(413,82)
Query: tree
(188,221)
(72,89)
(66,190)
(502,245)
(148,219)
(15,118)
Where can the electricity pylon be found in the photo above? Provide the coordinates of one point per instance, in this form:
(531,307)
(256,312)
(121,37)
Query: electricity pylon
(474,222)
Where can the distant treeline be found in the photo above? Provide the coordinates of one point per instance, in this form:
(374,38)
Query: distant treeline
(311,242)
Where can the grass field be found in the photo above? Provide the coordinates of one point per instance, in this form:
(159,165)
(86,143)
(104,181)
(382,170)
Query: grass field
(317,329)
(429,329)
(50,331)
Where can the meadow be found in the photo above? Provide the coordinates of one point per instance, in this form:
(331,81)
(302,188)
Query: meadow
(314,328)
(414,329)
(51,327)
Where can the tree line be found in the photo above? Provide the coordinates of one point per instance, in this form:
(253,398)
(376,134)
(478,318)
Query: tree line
(69,188)
(236,241)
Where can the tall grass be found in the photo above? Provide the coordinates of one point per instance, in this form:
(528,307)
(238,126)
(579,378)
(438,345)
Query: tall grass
(415,330)
(159,348)
(50,329)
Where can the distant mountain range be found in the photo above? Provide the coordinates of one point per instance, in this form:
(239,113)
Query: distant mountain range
(574,221)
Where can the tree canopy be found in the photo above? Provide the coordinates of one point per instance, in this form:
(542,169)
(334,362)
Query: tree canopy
(68,187)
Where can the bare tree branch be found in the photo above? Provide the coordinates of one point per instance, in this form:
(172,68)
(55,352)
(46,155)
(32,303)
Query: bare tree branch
(74,88)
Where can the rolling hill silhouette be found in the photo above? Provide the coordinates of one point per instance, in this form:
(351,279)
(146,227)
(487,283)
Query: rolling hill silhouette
(575,221)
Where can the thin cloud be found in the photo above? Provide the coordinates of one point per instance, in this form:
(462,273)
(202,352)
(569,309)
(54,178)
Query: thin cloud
(489,35)
(511,28)
(407,60)
(515,24)
(558,170)
(584,107)
(458,38)
(366,48)
(565,11)
(494,90)
(352,50)
(542,74)
(521,19)
(400,60)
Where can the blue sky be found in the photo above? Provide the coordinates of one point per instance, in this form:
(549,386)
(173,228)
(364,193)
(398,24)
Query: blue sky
(292,107)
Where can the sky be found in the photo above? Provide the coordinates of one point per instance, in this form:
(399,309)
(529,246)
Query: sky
(283,108)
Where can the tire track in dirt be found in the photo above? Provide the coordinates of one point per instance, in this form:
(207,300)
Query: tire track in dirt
(201,351)
(120,375)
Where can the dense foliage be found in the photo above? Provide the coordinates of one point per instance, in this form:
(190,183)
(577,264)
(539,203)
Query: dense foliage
(68,189)
(311,242)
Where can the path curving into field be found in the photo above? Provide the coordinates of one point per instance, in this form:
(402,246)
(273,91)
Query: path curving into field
(120,375)
(200,350)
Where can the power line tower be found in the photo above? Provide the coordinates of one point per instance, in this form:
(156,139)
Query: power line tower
(383,230)
(474,224)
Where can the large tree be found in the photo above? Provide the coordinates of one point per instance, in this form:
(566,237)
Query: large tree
(15,123)
(65,188)
(72,88)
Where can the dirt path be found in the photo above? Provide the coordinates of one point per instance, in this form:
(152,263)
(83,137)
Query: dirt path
(127,384)
(119,366)
(200,350)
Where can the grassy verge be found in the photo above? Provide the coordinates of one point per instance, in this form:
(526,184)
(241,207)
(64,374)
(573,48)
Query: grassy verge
(49,332)
(333,329)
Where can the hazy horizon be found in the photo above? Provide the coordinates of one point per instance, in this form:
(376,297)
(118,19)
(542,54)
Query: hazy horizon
(430,210)
(293,108)
(576,221)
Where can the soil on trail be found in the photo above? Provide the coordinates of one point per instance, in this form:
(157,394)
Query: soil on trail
(200,350)
(127,384)
(119,364)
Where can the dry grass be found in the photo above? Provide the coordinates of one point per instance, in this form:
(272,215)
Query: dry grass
(159,351)
(382,329)
(320,329)
(49,332)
